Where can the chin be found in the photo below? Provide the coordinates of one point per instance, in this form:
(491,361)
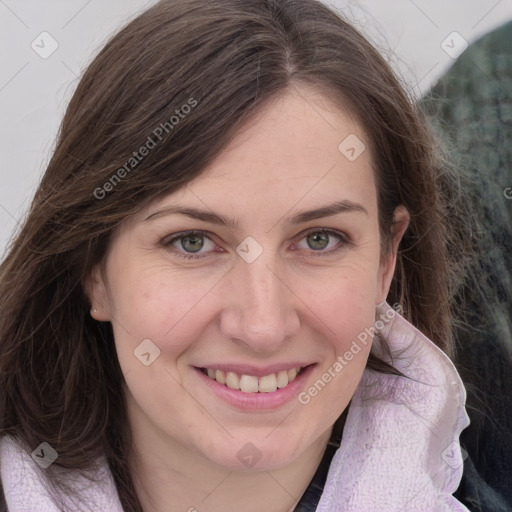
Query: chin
(253,456)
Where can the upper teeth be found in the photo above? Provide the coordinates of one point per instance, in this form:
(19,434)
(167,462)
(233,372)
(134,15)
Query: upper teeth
(252,384)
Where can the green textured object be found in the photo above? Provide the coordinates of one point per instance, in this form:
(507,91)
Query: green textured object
(472,104)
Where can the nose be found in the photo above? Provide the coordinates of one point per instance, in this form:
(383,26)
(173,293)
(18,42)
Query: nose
(260,309)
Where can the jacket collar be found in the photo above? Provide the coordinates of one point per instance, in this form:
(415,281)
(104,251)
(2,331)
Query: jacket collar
(399,450)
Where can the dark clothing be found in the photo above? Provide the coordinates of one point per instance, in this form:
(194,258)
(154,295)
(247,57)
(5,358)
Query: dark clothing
(471,108)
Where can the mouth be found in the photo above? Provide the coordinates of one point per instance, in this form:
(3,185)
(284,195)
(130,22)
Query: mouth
(252,383)
(253,389)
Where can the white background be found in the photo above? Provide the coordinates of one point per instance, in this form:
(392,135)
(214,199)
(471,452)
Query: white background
(34,91)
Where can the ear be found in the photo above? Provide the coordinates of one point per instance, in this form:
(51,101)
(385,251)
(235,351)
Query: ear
(96,290)
(387,264)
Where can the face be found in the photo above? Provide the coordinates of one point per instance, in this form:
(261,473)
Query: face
(231,298)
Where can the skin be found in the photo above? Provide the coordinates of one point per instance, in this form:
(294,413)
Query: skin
(293,302)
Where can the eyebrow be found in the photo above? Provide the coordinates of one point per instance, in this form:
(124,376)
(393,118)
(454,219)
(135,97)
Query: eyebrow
(344,206)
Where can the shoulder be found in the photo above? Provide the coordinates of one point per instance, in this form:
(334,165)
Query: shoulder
(22,487)
(477,494)
(26,486)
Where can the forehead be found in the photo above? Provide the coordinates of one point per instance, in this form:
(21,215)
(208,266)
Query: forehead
(301,148)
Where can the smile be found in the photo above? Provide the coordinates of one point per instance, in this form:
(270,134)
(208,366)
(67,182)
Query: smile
(251,388)
(251,383)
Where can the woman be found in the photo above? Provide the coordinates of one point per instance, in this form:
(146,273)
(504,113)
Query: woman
(195,314)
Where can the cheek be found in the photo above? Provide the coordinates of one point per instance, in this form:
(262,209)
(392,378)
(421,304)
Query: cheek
(353,326)
(345,302)
(355,314)
(158,304)
(347,313)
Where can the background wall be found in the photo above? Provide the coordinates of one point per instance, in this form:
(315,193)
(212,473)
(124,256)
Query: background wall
(46,45)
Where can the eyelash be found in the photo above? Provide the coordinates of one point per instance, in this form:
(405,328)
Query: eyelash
(167,242)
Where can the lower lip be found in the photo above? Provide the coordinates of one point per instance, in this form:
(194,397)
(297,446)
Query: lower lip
(257,401)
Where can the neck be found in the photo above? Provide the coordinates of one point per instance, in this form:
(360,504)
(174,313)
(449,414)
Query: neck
(170,477)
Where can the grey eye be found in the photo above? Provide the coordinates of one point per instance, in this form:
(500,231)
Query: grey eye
(318,240)
(192,243)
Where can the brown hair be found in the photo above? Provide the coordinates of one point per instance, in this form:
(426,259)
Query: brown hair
(59,377)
